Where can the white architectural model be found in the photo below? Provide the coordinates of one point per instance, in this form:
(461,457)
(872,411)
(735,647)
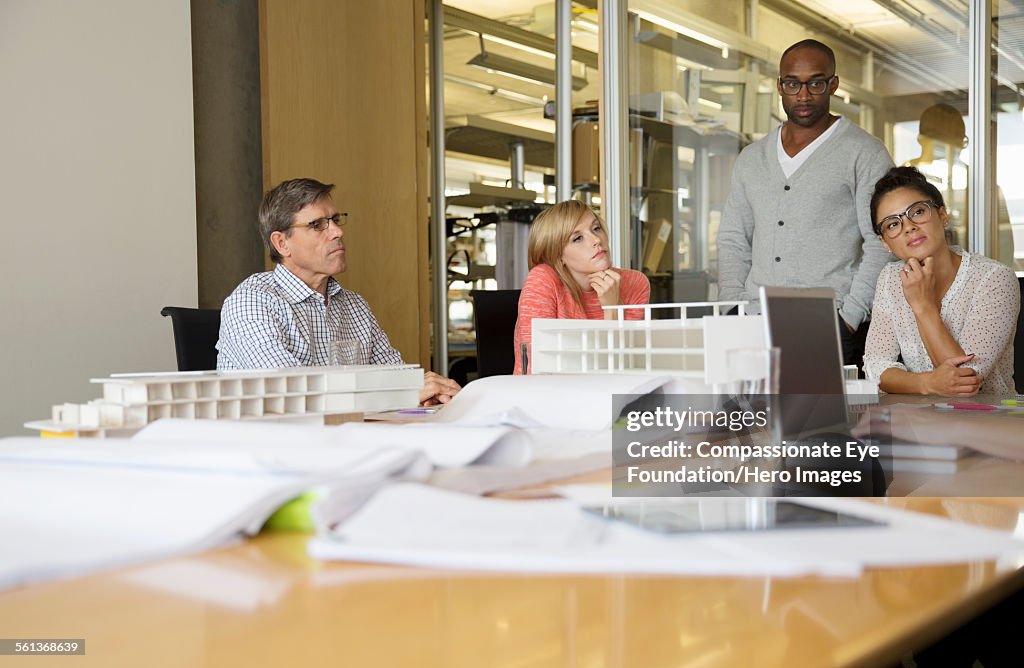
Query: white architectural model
(693,342)
(130,401)
(685,344)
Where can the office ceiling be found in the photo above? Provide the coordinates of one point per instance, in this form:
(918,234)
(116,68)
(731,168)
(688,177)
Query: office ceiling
(920,47)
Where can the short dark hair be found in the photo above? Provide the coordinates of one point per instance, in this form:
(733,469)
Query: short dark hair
(812,44)
(279,206)
(902,177)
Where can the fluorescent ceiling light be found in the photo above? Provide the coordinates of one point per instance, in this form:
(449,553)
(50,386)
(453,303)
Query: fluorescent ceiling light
(683,30)
(517,69)
(497,92)
(518,45)
(586,25)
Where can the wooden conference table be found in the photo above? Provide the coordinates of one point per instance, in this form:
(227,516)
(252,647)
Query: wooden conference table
(264,602)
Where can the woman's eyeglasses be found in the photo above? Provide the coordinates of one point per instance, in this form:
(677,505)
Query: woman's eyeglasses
(917,213)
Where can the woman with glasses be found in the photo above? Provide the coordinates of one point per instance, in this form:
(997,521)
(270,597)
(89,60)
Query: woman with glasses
(950,314)
(571,274)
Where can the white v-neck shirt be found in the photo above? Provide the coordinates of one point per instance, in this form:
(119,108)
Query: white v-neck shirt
(790,164)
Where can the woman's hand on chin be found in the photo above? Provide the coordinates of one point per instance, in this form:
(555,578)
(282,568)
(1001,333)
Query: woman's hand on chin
(952,378)
(919,286)
(606,285)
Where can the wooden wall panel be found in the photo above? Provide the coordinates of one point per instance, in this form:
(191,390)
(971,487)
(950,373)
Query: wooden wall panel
(343,101)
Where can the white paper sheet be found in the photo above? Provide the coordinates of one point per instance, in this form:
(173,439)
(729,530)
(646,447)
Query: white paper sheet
(74,520)
(180,486)
(570,443)
(229,456)
(489,479)
(417,525)
(73,506)
(443,445)
(563,401)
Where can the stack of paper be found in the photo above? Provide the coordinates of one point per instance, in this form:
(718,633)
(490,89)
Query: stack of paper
(181,486)
(918,458)
(567,417)
(417,525)
(76,506)
(560,401)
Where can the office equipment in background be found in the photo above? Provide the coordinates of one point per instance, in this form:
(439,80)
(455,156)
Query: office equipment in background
(196,331)
(657,233)
(494,316)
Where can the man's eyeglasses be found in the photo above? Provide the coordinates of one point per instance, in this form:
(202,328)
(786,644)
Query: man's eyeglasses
(814,86)
(321,224)
(917,213)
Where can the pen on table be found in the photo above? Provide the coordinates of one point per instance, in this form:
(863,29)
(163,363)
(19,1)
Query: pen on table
(1012,402)
(968,407)
(418,411)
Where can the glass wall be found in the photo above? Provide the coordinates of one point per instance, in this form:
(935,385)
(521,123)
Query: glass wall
(700,79)
(499,60)
(1006,224)
(702,85)
(695,97)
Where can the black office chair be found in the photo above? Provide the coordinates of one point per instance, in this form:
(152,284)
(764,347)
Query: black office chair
(1018,346)
(196,331)
(494,316)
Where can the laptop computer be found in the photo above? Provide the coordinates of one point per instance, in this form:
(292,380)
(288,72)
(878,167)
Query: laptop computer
(802,323)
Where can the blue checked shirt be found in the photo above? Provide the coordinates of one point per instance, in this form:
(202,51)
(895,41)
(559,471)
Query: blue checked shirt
(274,320)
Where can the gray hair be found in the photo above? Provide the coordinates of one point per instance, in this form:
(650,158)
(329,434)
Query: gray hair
(279,206)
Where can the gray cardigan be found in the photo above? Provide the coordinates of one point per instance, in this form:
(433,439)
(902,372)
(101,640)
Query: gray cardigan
(811,230)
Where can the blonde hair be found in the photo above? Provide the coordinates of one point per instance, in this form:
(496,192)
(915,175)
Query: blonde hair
(550,233)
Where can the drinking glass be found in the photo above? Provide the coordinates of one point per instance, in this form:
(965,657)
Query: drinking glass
(344,352)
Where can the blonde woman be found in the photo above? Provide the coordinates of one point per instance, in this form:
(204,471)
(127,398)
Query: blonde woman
(571,275)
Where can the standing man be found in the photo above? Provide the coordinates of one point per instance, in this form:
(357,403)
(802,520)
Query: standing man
(289,317)
(798,211)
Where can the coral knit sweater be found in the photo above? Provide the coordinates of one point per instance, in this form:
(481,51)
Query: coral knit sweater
(545,296)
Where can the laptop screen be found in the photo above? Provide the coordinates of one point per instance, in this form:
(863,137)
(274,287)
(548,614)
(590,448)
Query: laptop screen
(803,324)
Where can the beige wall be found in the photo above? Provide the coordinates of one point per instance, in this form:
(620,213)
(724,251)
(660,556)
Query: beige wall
(343,86)
(98,190)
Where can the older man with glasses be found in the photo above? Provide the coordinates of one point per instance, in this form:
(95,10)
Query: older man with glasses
(291,316)
(798,208)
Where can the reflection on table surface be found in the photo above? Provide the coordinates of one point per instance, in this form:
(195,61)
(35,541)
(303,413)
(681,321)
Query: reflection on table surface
(265,602)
